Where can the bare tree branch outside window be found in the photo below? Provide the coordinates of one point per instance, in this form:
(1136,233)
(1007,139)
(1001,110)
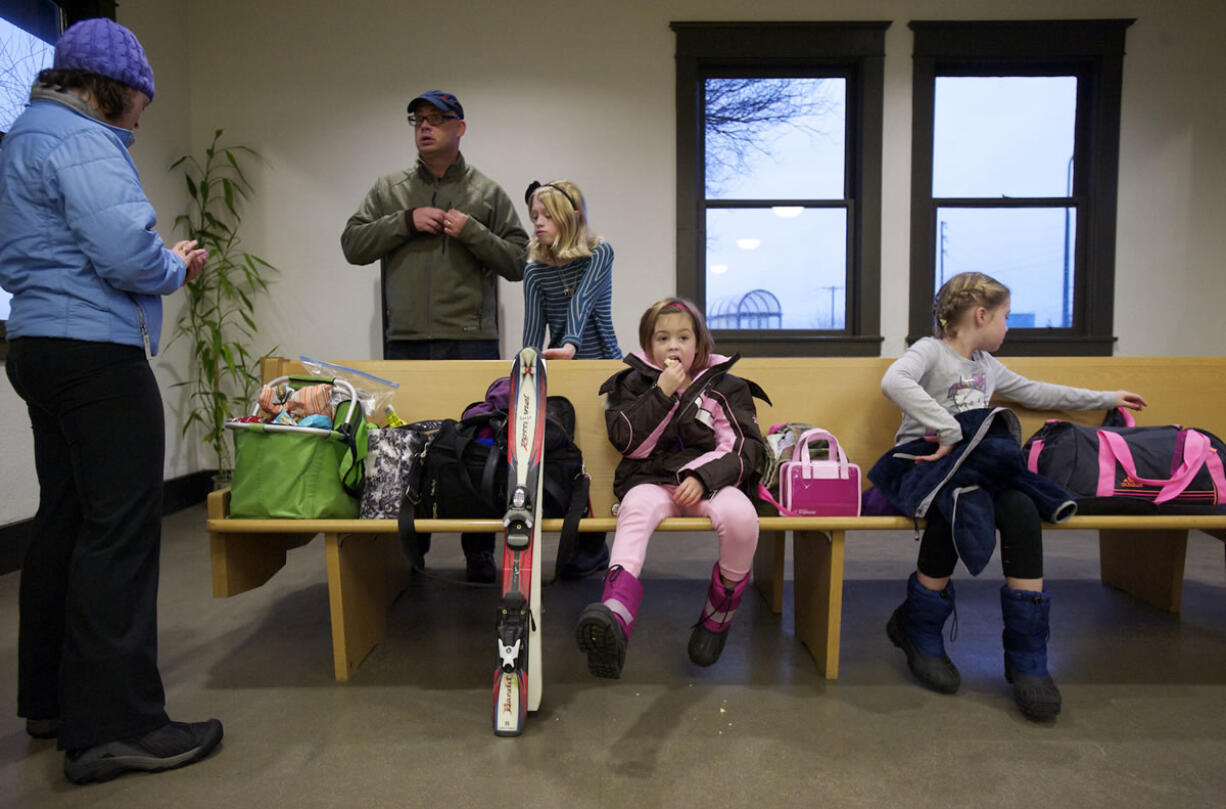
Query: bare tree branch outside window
(22,56)
(743,118)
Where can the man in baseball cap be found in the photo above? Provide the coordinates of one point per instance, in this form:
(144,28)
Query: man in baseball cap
(443,233)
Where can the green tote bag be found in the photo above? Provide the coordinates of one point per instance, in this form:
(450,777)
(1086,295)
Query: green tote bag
(289,472)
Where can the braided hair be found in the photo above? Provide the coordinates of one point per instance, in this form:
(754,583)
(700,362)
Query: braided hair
(960,294)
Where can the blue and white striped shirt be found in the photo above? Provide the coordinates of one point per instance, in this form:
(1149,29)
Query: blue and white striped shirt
(575,302)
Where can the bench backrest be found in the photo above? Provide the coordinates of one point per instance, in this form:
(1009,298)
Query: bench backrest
(841,394)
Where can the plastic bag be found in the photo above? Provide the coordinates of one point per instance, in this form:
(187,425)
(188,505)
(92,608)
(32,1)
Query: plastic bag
(374,392)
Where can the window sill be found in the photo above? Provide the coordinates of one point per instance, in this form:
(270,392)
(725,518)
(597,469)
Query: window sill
(1037,344)
(795,344)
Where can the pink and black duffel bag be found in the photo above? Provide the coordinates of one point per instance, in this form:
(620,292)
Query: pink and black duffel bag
(1129,469)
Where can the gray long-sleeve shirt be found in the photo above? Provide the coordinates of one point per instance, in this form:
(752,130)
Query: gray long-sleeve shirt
(932,381)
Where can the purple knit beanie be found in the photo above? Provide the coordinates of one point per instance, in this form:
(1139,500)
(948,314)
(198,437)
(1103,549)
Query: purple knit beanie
(105,47)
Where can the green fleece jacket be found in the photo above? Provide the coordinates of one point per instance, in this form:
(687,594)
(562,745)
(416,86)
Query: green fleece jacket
(439,287)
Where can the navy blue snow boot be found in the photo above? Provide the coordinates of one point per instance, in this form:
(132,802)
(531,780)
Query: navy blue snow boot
(915,627)
(1025,639)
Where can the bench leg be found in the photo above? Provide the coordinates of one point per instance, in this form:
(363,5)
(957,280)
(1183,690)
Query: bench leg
(1146,564)
(817,565)
(242,562)
(365,574)
(768,567)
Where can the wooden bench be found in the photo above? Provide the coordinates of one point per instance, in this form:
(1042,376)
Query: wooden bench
(366,570)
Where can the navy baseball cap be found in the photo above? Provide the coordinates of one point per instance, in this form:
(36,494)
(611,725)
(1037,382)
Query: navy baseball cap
(444,101)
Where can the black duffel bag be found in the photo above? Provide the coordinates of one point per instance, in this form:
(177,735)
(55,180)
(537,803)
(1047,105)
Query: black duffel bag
(464,475)
(1119,468)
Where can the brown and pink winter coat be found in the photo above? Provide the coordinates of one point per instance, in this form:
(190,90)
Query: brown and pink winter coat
(709,430)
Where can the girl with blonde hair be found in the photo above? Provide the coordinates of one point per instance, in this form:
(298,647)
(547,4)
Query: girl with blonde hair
(940,383)
(568,283)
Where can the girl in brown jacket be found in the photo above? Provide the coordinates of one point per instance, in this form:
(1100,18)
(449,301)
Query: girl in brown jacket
(689,435)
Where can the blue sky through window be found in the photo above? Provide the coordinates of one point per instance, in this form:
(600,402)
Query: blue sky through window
(998,137)
(995,137)
(777,139)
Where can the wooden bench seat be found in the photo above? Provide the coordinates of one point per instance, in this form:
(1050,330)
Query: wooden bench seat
(366,570)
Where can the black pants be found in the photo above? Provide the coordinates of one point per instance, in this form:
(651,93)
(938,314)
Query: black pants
(87,643)
(1021,540)
(473,544)
(441,350)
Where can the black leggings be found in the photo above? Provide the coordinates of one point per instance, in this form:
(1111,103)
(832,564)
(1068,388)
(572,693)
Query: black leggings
(1021,540)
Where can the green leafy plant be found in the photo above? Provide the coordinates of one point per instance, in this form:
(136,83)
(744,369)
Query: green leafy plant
(218,318)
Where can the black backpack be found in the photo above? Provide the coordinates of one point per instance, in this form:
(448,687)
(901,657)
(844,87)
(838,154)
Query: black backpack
(464,474)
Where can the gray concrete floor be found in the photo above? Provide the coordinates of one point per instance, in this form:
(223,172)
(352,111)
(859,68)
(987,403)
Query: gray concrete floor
(1144,721)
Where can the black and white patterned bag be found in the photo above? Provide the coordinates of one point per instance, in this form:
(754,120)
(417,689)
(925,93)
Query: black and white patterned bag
(393,463)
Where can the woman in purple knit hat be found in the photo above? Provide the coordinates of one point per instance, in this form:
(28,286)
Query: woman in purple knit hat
(87,272)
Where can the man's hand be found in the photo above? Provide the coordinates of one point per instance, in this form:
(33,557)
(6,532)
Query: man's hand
(193,258)
(454,221)
(428,220)
(689,492)
(566,352)
(1132,401)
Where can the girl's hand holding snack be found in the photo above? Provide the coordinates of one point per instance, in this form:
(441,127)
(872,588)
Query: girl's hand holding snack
(673,378)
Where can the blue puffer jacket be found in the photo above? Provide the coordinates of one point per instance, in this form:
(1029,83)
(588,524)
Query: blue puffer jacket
(77,247)
(962,485)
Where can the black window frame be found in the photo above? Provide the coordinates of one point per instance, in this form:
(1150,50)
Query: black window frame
(1091,50)
(851,50)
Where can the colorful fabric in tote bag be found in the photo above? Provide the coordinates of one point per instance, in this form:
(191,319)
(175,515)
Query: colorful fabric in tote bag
(811,487)
(1114,469)
(291,472)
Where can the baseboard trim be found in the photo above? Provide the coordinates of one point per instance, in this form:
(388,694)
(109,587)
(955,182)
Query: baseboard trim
(177,494)
(187,490)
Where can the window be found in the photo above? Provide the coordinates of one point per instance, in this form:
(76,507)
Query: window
(1015,148)
(779,183)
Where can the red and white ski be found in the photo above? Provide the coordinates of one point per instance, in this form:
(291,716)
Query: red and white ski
(517,680)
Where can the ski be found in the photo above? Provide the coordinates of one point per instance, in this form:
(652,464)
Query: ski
(517,679)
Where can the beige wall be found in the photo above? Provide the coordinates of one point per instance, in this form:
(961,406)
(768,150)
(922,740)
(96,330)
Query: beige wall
(570,89)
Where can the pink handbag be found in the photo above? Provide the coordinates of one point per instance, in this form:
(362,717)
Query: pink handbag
(809,488)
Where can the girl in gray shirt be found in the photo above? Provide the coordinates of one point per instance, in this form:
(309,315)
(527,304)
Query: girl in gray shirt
(935,379)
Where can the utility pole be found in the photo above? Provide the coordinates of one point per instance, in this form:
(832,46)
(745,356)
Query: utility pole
(832,289)
(1064,321)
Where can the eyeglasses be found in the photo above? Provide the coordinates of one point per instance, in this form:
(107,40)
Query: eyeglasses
(432,118)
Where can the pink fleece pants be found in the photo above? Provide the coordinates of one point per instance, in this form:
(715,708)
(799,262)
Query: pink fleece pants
(644,506)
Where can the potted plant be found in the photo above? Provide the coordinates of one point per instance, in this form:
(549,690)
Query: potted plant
(218,316)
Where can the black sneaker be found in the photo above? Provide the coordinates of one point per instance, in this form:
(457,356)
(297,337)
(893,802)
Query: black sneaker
(43,728)
(175,744)
(480,569)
